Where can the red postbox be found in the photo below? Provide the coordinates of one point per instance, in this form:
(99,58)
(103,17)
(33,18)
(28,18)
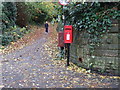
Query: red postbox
(68,34)
(61,39)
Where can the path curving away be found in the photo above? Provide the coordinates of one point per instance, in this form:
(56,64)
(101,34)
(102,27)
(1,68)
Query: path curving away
(31,67)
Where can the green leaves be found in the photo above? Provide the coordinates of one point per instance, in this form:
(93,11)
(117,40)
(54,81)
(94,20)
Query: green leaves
(95,18)
(39,12)
(9,11)
(13,34)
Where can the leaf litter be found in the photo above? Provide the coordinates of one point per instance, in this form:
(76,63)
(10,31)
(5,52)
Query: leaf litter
(54,74)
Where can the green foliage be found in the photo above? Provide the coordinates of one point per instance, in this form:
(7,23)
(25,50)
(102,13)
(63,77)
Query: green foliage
(21,14)
(39,12)
(13,34)
(10,32)
(9,11)
(93,18)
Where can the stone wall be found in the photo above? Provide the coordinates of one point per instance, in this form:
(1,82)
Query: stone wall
(105,57)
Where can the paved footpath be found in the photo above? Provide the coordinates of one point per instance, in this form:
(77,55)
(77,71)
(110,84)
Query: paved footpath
(31,67)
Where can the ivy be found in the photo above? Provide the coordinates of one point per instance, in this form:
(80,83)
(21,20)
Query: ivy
(94,18)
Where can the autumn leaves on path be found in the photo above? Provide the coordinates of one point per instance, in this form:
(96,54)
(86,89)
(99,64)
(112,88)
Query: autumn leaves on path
(30,64)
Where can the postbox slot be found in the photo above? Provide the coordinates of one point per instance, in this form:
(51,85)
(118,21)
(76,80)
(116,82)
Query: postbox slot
(67,28)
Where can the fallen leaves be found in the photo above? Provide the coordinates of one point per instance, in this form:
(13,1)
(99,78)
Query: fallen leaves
(12,43)
(26,40)
(91,80)
(115,77)
(40,69)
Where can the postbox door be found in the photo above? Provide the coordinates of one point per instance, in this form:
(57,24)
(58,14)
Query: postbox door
(68,34)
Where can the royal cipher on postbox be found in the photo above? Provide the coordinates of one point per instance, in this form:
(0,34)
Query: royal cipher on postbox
(68,34)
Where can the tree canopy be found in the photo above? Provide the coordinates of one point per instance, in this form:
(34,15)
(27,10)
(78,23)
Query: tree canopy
(41,11)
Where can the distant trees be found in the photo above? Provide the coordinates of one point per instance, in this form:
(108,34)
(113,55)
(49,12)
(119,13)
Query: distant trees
(39,12)
(16,16)
(22,15)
